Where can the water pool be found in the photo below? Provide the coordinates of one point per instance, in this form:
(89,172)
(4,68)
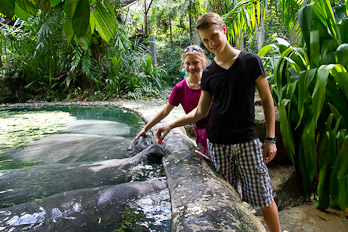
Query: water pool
(49,148)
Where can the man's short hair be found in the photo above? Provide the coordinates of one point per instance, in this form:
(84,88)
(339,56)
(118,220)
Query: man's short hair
(209,19)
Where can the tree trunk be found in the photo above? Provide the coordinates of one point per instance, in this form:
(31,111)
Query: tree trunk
(260,35)
(146,20)
(260,31)
(196,39)
(171,32)
(240,41)
(293,38)
(153,50)
(190,19)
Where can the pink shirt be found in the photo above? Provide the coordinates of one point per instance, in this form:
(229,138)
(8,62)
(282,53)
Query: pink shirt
(185,96)
(188,98)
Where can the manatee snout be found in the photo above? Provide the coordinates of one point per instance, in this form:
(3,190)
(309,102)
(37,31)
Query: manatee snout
(154,152)
(141,143)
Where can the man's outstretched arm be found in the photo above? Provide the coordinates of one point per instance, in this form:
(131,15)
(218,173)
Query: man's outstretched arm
(201,111)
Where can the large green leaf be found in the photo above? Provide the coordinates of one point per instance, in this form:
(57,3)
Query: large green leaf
(300,58)
(304,18)
(314,49)
(327,10)
(343,30)
(28,6)
(319,93)
(337,102)
(308,152)
(106,37)
(327,53)
(319,18)
(342,175)
(285,128)
(68,30)
(322,190)
(22,14)
(70,7)
(334,186)
(92,22)
(110,8)
(86,40)
(7,7)
(326,157)
(341,79)
(106,26)
(295,67)
(282,44)
(304,96)
(302,53)
(278,72)
(54,3)
(80,20)
(342,54)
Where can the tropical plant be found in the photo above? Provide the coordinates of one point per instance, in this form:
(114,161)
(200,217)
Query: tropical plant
(311,91)
(132,69)
(82,16)
(240,17)
(54,55)
(170,60)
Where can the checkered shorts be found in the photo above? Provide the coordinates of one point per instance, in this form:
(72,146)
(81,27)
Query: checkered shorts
(243,166)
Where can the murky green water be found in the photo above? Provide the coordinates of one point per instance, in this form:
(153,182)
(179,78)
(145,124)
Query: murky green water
(21,127)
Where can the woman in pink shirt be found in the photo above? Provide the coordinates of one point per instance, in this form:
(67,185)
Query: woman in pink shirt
(187,93)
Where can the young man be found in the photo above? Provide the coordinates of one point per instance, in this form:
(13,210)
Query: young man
(228,85)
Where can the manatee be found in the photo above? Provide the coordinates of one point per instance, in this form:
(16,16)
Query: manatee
(67,148)
(93,209)
(141,143)
(98,127)
(21,185)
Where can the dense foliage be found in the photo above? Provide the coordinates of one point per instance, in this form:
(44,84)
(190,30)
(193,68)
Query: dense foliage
(50,57)
(311,91)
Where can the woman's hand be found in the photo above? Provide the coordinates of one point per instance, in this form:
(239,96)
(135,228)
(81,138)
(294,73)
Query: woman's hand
(141,133)
(162,131)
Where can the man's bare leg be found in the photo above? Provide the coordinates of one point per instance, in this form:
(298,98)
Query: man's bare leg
(271,216)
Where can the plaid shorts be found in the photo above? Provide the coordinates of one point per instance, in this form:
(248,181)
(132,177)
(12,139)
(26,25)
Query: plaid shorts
(242,165)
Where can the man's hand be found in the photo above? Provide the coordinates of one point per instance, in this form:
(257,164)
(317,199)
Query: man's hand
(269,151)
(162,131)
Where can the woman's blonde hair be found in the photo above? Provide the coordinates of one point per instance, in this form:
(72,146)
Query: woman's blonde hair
(208,19)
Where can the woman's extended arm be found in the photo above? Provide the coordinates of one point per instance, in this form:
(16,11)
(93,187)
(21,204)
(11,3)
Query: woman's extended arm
(161,115)
(201,111)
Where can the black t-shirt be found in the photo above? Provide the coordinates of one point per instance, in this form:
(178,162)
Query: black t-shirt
(233,90)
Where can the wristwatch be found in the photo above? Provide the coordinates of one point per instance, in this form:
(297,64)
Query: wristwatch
(271,139)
